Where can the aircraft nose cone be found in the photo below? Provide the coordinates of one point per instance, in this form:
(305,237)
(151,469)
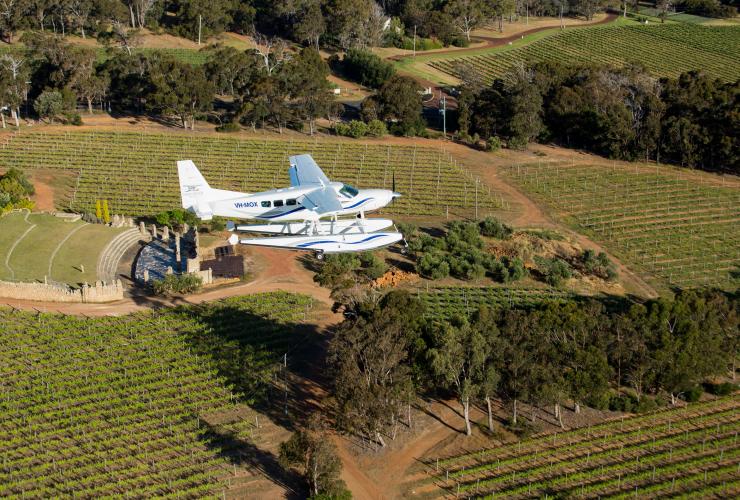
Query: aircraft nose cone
(395,195)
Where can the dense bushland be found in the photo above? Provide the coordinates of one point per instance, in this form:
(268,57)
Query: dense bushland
(620,113)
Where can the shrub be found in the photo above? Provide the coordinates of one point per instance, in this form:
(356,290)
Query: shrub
(74,119)
(630,404)
(433,265)
(493,144)
(467,265)
(460,41)
(176,218)
(693,394)
(337,270)
(366,68)
(218,224)
(357,129)
(408,129)
(646,404)
(463,232)
(493,228)
(376,128)
(341,129)
(15,188)
(422,44)
(515,268)
(554,271)
(177,283)
(49,104)
(229,127)
(598,265)
(373,267)
(722,389)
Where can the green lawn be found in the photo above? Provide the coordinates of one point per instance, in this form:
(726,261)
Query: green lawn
(12,226)
(31,259)
(82,248)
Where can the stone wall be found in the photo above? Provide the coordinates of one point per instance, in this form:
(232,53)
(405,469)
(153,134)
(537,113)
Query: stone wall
(99,292)
(206,275)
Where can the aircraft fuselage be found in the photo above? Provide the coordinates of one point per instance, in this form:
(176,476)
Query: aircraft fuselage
(283,204)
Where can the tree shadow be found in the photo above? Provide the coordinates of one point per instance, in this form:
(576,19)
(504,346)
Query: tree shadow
(439,419)
(262,359)
(309,262)
(243,453)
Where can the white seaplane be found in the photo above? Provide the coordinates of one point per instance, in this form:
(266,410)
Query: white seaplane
(296,216)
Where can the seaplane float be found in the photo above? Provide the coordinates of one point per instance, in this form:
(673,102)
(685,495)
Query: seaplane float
(313,214)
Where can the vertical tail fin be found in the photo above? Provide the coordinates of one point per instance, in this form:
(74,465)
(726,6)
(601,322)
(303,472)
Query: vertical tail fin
(193,189)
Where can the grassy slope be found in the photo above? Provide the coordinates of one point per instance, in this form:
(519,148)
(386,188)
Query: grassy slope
(31,256)
(30,259)
(84,247)
(12,226)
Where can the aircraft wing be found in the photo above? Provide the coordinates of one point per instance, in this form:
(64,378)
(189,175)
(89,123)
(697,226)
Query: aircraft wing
(305,171)
(322,200)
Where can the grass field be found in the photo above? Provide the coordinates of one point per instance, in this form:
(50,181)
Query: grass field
(144,404)
(665,50)
(137,174)
(38,246)
(675,228)
(690,452)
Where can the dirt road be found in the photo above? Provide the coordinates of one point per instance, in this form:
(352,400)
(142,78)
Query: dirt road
(491,41)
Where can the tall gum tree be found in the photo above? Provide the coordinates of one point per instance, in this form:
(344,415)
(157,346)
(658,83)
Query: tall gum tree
(458,359)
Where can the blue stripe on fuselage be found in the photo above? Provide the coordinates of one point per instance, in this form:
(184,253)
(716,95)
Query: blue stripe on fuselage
(311,243)
(358,203)
(282,214)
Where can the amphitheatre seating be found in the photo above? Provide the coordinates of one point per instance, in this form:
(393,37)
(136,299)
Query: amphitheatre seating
(157,256)
(111,256)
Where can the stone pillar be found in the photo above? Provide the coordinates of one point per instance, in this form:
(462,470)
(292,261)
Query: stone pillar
(154,231)
(165,233)
(142,227)
(178,256)
(169,270)
(146,275)
(185,228)
(196,240)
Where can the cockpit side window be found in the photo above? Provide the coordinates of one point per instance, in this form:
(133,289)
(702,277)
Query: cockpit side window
(348,191)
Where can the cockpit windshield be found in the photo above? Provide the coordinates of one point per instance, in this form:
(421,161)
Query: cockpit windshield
(348,191)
